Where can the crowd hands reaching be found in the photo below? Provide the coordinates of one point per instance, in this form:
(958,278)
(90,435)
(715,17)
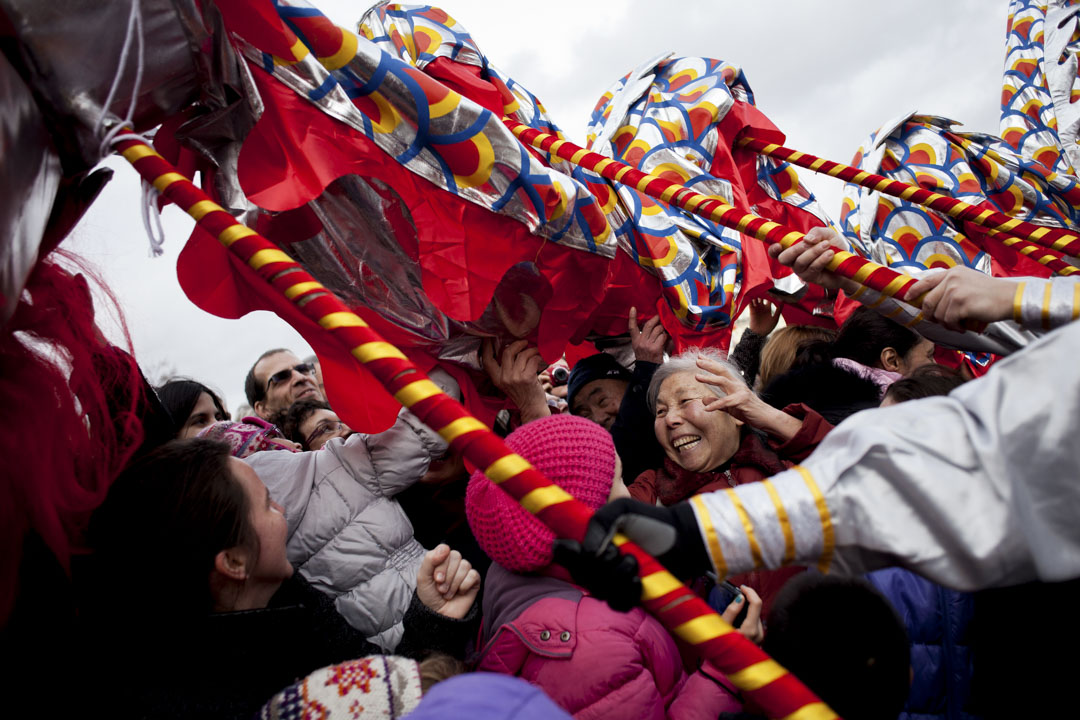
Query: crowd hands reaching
(297,547)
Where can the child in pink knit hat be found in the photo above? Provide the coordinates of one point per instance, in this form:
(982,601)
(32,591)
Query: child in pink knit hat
(591,660)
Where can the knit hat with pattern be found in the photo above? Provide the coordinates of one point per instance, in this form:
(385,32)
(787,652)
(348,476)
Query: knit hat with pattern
(377,686)
(245,438)
(574,453)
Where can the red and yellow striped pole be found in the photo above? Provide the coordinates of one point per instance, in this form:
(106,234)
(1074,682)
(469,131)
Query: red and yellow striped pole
(1022,235)
(759,677)
(845,264)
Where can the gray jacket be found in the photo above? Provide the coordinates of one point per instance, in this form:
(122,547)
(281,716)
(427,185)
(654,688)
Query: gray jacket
(348,536)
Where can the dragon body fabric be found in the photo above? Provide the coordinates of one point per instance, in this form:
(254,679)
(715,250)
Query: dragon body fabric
(380,161)
(1027,173)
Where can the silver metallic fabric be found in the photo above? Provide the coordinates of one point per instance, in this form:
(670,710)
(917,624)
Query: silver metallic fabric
(30,175)
(73,49)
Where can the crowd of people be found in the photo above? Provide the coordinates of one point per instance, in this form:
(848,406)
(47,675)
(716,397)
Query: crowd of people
(283,565)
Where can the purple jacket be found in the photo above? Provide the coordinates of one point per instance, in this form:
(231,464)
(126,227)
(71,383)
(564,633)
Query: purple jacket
(591,660)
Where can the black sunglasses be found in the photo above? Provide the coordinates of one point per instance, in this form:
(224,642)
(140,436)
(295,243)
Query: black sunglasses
(284,375)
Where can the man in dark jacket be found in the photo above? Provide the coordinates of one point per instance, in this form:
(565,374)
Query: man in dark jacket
(602,390)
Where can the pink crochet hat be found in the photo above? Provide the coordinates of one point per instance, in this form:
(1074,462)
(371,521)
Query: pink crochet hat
(574,453)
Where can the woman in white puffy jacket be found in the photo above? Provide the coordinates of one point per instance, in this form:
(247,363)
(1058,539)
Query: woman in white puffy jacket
(347,535)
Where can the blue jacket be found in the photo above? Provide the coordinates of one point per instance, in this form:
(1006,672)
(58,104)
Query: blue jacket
(936,620)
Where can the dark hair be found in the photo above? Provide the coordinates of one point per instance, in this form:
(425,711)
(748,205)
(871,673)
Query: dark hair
(866,333)
(926,381)
(291,418)
(841,637)
(254,390)
(162,525)
(179,396)
(835,393)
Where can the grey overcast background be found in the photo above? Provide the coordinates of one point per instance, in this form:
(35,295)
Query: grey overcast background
(826,72)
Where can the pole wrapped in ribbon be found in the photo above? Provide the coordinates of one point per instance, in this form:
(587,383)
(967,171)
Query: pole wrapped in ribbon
(845,264)
(1037,242)
(760,678)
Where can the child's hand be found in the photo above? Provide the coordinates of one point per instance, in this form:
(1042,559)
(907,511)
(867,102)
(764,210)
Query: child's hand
(446,582)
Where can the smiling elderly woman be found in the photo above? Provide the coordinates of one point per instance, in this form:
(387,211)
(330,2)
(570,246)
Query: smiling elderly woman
(716,432)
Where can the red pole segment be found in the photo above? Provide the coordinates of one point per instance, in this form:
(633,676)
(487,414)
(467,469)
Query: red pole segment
(1059,239)
(687,616)
(845,264)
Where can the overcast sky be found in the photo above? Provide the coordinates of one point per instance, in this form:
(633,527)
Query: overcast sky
(827,72)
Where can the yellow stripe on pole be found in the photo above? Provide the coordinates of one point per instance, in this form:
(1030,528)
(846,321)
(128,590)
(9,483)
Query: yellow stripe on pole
(813,711)
(506,467)
(233,233)
(335,320)
(542,498)
(758,675)
(416,391)
(138,152)
(459,427)
(371,351)
(267,256)
(202,208)
(166,179)
(702,629)
(300,288)
(658,584)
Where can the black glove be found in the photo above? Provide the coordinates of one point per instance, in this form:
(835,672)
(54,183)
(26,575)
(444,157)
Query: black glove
(670,535)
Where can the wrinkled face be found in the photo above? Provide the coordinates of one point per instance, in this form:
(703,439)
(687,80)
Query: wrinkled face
(321,426)
(282,384)
(599,401)
(203,415)
(268,520)
(920,354)
(697,439)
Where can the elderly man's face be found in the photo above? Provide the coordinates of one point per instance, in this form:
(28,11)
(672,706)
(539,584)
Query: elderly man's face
(599,401)
(697,439)
(282,383)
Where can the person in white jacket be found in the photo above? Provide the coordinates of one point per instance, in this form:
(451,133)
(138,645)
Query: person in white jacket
(977,489)
(347,535)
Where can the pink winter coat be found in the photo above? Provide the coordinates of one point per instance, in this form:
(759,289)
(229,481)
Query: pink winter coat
(591,660)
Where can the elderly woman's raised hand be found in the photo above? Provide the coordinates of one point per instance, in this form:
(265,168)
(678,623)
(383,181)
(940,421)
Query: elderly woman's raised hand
(741,403)
(447,582)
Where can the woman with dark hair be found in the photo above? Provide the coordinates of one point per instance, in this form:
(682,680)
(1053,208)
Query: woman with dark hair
(877,342)
(220,621)
(192,406)
(927,381)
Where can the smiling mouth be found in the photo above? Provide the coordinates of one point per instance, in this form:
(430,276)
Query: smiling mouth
(686,443)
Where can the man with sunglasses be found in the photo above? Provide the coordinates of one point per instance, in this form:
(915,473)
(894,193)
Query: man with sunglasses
(277,380)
